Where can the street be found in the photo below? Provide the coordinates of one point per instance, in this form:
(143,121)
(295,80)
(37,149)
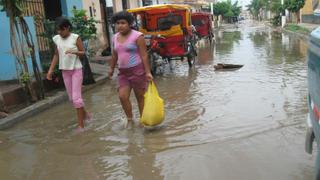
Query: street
(246,124)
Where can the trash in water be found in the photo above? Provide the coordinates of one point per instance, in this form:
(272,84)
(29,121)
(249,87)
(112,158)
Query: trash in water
(224,67)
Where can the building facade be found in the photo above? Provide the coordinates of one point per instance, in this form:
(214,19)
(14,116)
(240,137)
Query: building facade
(36,12)
(9,69)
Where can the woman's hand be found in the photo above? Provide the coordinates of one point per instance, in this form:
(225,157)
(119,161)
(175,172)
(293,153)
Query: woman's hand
(149,77)
(49,75)
(71,52)
(110,73)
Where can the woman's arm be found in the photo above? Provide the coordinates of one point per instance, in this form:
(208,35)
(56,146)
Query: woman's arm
(80,52)
(113,62)
(144,56)
(54,62)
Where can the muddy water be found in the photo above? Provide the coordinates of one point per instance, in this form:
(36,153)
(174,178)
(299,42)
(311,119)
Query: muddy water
(243,124)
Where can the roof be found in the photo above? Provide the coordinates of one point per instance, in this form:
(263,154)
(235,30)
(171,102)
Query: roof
(160,7)
(201,14)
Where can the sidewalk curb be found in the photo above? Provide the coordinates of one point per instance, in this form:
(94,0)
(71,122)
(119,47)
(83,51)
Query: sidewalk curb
(300,36)
(43,105)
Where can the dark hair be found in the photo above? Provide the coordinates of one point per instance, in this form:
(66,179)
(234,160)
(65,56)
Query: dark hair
(63,23)
(123,15)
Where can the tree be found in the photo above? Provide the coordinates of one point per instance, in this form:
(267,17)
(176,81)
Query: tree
(294,6)
(255,8)
(236,9)
(220,8)
(22,46)
(277,8)
(227,9)
(86,28)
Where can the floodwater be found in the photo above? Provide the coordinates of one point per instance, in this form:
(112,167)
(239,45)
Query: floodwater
(246,124)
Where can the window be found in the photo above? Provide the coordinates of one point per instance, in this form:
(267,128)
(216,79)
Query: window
(146,2)
(198,22)
(165,23)
(124,4)
(52,9)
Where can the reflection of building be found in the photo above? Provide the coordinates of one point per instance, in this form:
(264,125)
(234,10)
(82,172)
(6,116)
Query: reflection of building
(308,11)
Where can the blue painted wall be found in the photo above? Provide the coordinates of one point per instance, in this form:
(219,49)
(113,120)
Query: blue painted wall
(8,69)
(68,5)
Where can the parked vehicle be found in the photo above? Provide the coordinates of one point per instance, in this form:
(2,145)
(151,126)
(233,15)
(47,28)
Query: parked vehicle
(313,131)
(203,25)
(168,32)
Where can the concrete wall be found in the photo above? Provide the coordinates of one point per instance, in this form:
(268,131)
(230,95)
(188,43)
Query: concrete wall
(68,5)
(7,60)
(310,18)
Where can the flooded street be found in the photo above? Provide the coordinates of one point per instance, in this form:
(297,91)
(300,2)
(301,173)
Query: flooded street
(246,124)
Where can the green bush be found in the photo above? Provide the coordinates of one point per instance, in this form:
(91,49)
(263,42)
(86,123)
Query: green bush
(276,20)
(84,26)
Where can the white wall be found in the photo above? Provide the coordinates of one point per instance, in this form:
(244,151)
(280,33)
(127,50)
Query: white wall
(117,6)
(133,3)
(96,14)
(109,3)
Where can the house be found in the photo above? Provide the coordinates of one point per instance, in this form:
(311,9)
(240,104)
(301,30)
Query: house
(36,11)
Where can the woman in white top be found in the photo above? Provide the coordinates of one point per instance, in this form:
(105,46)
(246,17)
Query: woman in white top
(69,48)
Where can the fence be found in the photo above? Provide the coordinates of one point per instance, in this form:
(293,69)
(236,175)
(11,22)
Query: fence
(35,8)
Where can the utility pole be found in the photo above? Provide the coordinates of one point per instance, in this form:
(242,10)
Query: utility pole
(283,16)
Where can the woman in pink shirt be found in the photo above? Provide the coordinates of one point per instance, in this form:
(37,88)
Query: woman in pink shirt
(130,53)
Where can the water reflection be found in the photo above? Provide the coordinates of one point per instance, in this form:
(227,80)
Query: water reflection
(205,52)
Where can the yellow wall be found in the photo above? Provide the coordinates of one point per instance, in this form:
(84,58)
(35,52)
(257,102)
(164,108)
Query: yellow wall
(307,8)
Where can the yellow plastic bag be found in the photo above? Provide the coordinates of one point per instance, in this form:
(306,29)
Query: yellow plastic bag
(153,111)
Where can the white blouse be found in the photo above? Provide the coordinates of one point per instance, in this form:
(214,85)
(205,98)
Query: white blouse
(67,61)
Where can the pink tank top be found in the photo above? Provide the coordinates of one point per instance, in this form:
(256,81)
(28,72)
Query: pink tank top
(128,51)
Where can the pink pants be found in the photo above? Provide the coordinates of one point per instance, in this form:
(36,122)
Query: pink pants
(73,83)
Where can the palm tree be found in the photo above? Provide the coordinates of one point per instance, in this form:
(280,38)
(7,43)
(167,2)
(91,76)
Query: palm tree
(22,46)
